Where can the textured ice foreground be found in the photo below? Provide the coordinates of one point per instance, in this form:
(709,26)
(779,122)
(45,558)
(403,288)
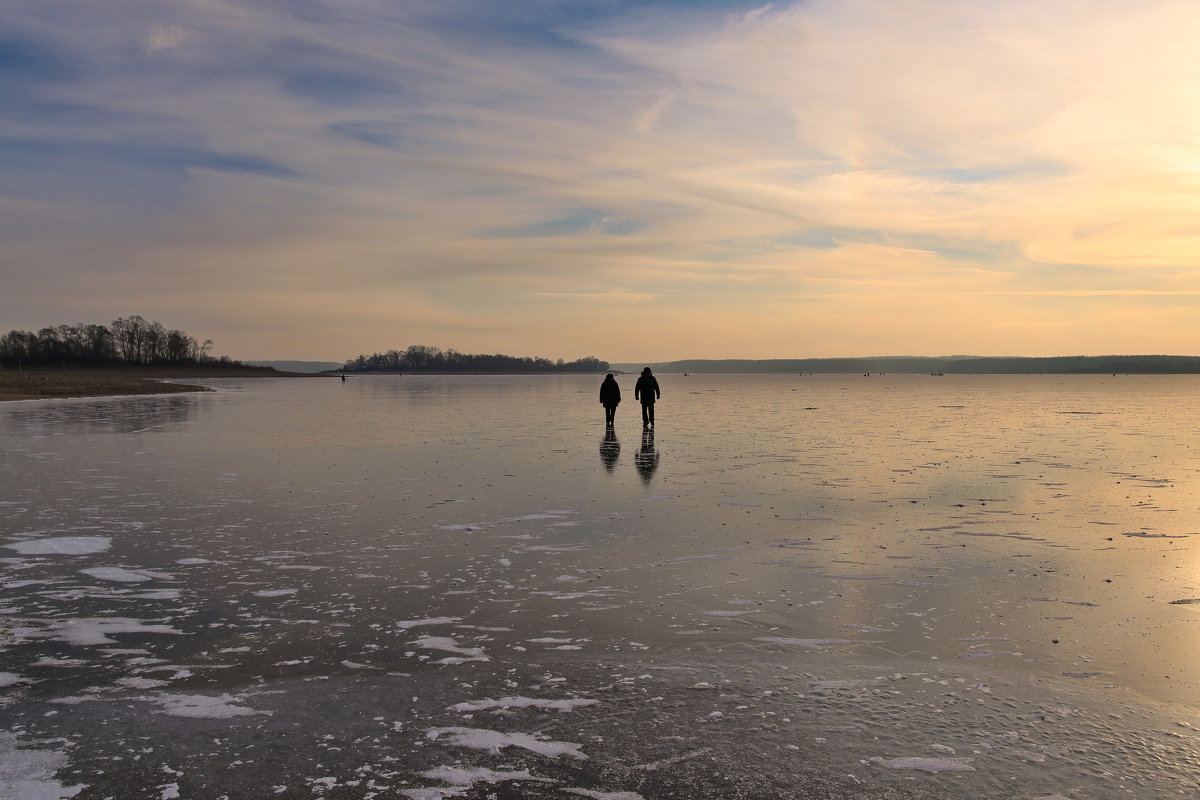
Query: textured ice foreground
(431,587)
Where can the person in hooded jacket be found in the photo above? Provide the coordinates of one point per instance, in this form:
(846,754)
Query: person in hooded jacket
(610,398)
(646,389)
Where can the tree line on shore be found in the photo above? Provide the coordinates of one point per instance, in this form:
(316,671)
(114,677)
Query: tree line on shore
(128,341)
(423,358)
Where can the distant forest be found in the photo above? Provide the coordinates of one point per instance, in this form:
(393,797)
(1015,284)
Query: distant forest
(422,358)
(128,341)
(960,365)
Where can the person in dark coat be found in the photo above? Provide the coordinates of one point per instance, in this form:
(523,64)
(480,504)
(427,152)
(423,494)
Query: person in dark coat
(610,398)
(647,391)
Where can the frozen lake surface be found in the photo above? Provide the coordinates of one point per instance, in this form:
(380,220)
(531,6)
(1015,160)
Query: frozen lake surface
(428,587)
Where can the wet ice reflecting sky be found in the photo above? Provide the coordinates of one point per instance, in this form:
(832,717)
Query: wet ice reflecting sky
(1026,531)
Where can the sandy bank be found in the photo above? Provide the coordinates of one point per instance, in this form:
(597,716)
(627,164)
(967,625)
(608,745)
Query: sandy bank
(45,384)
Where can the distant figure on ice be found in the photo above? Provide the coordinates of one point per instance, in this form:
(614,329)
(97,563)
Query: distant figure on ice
(610,398)
(647,391)
(343,379)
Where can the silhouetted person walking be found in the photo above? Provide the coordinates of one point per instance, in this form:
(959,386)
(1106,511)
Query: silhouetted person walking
(647,391)
(610,398)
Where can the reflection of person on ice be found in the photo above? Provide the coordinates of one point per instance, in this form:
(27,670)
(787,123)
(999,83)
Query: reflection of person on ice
(610,398)
(647,391)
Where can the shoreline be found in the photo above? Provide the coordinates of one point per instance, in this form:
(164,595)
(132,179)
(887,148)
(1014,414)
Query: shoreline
(77,383)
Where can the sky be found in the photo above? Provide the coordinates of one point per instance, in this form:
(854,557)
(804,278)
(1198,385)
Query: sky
(637,181)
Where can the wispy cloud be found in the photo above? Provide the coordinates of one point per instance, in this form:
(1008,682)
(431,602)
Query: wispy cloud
(633,180)
(164,37)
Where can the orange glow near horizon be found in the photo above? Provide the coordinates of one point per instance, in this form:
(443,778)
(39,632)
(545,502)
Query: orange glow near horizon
(818,179)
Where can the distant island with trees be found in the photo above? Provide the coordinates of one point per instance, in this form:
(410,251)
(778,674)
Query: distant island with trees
(943,365)
(426,359)
(127,341)
(128,357)
(423,358)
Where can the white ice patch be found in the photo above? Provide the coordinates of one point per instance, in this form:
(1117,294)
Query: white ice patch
(447,644)
(63,546)
(141,683)
(118,574)
(11,679)
(927,764)
(723,613)
(413,623)
(847,684)
(605,795)
(275,592)
(200,706)
(86,631)
(575,595)
(987,653)
(434,794)
(807,642)
(458,776)
(505,703)
(29,774)
(495,741)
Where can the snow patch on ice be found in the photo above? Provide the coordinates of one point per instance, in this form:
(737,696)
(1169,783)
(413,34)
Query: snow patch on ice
(605,795)
(141,683)
(29,774)
(449,645)
(159,594)
(434,794)
(118,574)
(575,595)
(275,592)
(807,642)
(413,623)
(927,764)
(63,546)
(846,684)
(86,631)
(459,776)
(495,741)
(201,706)
(505,703)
